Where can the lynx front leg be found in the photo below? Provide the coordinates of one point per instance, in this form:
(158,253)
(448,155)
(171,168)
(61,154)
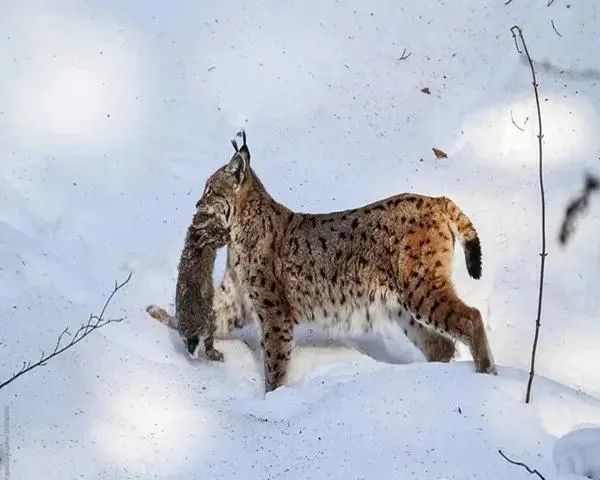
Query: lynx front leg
(277,322)
(278,340)
(229,306)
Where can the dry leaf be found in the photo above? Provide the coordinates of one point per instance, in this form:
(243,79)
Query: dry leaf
(426,90)
(439,153)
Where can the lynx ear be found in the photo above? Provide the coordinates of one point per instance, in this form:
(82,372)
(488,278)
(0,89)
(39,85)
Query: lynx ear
(240,162)
(238,166)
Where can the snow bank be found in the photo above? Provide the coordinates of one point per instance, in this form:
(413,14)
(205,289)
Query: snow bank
(578,452)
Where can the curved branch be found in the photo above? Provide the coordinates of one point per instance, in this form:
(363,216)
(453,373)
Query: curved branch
(532,471)
(94,323)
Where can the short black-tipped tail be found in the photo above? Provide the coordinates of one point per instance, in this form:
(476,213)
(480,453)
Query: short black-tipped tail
(463,229)
(473,257)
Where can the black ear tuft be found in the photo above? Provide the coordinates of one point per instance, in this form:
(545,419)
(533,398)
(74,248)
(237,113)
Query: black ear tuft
(244,151)
(235,145)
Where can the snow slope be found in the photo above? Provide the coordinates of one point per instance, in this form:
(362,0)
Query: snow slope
(112,115)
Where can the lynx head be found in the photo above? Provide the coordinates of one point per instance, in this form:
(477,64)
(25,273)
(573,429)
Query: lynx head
(217,204)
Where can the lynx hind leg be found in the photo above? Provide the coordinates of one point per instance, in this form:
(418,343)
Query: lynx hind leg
(435,346)
(446,313)
(429,295)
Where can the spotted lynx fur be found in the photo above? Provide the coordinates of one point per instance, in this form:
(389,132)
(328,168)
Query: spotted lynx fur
(392,257)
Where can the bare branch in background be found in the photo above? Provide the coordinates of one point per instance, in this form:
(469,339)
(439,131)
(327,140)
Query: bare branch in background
(554,27)
(507,2)
(532,471)
(94,322)
(404,55)
(518,35)
(515,123)
(577,208)
(515,39)
(550,2)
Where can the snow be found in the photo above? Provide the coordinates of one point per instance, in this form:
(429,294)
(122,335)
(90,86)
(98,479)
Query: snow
(578,452)
(113,114)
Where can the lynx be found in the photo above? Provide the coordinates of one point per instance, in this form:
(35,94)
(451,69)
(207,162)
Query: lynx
(392,257)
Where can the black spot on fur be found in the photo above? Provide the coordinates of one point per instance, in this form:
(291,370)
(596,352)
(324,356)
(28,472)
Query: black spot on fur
(323,243)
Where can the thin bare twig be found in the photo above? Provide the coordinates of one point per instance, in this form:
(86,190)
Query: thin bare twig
(515,39)
(516,30)
(532,471)
(507,2)
(515,123)
(550,2)
(404,55)
(94,322)
(577,207)
(554,27)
